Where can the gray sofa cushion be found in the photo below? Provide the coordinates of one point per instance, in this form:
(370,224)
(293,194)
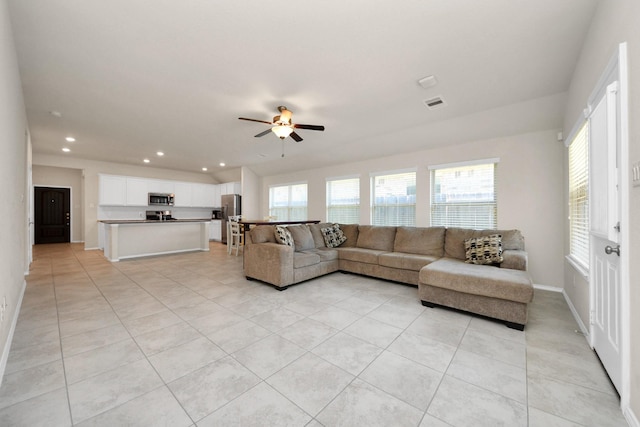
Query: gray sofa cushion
(325,254)
(376,237)
(318,238)
(351,231)
(486,280)
(263,234)
(420,240)
(367,256)
(405,261)
(302,237)
(305,259)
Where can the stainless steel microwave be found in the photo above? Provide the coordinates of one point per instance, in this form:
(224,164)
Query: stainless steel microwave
(161,199)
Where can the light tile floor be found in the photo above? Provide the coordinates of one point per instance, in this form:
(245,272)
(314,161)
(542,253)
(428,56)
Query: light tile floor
(185,340)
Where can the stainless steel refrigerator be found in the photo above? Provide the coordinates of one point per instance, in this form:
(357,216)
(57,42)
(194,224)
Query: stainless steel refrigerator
(231,206)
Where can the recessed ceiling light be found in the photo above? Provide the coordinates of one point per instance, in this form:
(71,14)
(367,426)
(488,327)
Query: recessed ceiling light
(146,160)
(204,169)
(428,82)
(160,153)
(223,164)
(70,139)
(66,150)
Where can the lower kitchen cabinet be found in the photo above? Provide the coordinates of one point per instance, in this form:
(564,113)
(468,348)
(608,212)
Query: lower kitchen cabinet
(215,230)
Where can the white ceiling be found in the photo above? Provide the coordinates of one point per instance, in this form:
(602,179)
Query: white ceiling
(131,77)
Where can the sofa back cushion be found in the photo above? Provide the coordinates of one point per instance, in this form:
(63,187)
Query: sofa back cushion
(318,238)
(455,237)
(351,232)
(380,238)
(420,240)
(263,234)
(302,237)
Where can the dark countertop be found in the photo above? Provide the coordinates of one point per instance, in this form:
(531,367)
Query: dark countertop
(150,221)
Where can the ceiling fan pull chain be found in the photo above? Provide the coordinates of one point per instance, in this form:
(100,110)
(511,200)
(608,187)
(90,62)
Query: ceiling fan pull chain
(282,148)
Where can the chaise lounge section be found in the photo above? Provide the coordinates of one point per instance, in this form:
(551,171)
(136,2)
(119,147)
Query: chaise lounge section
(432,258)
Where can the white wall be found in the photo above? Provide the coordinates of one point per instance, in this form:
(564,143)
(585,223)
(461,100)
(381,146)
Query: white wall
(15,208)
(92,168)
(44,176)
(250,194)
(614,22)
(529,186)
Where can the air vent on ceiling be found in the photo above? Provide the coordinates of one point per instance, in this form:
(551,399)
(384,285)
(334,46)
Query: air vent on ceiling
(434,103)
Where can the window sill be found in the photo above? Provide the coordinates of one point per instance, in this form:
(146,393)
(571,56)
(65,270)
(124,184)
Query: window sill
(579,267)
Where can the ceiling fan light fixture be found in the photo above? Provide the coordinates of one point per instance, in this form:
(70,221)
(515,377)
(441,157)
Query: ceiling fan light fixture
(285,116)
(282,131)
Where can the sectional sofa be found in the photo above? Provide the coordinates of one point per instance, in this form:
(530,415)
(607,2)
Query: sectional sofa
(432,258)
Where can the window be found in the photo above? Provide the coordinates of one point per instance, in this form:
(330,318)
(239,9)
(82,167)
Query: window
(288,202)
(394,199)
(343,200)
(579,197)
(464,195)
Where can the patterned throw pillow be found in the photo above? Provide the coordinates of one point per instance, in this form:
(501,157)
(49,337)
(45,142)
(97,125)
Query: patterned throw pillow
(283,236)
(484,250)
(333,236)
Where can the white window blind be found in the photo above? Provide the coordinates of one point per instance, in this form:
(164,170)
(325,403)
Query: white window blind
(343,200)
(394,199)
(464,196)
(579,196)
(288,202)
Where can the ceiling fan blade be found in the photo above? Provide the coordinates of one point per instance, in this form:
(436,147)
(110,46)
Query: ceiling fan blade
(296,137)
(310,127)
(263,133)
(254,120)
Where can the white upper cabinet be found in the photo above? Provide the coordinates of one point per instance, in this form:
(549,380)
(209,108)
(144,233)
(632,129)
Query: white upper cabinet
(113,190)
(161,186)
(217,201)
(137,192)
(231,188)
(116,190)
(204,195)
(183,194)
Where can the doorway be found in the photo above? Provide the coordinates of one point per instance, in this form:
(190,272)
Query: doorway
(52,211)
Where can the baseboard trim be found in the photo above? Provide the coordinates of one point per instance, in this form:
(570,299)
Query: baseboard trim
(574,312)
(548,288)
(631,418)
(14,322)
(92,249)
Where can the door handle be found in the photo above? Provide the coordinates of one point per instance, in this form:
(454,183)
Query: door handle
(609,250)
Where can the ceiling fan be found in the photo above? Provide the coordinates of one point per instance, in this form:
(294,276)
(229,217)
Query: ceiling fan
(282,125)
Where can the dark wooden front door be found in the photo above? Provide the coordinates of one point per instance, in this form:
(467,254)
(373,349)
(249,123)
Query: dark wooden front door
(52,215)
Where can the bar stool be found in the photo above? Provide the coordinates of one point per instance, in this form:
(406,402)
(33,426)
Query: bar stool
(234,237)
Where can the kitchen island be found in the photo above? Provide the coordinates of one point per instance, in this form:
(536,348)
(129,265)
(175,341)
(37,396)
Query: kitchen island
(139,238)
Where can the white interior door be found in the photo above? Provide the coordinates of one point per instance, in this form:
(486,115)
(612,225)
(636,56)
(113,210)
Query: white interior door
(605,203)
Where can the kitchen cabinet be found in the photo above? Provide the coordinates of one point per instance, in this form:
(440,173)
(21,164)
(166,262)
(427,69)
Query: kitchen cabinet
(230,188)
(161,186)
(183,194)
(203,195)
(112,190)
(217,201)
(116,190)
(137,192)
(215,230)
